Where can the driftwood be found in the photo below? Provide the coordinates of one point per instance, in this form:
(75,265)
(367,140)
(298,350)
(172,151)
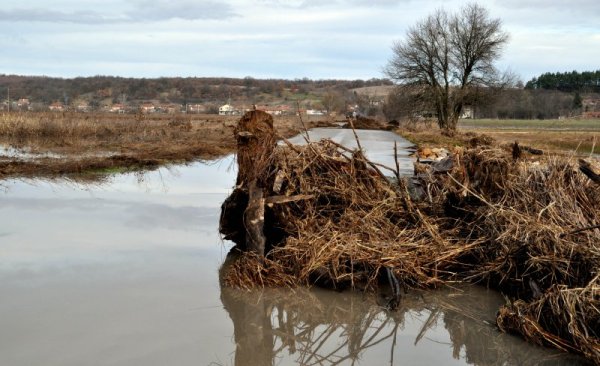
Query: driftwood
(517,151)
(586,168)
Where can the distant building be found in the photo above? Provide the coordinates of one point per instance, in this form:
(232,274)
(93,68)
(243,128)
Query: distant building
(226,110)
(277,110)
(195,108)
(117,108)
(467,112)
(56,107)
(83,107)
(315,112)
(147,108)
(23,103)
(171,108)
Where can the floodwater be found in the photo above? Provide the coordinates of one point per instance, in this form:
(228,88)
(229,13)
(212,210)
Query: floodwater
(9,152)
(127,273)
(378,145)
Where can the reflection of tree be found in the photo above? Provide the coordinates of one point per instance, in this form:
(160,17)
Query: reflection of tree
(327,328)
(469,319)
(319,328)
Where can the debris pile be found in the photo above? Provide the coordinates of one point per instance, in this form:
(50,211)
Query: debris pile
(331,217)
(365,123)
(434,154)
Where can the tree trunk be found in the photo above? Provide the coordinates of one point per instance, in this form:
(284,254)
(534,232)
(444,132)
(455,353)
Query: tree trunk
(243,213)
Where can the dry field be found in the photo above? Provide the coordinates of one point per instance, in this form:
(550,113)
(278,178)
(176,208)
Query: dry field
(85,146)
(578,137)
(555,137)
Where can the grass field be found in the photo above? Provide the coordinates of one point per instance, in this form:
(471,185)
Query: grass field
(572,136)
(548,124)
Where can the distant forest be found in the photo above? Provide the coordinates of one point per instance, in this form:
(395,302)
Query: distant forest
(174,90)
(581,82)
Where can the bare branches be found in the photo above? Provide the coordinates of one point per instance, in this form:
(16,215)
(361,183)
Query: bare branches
(452,54)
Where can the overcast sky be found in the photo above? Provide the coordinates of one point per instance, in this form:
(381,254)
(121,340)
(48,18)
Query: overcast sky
(317,39)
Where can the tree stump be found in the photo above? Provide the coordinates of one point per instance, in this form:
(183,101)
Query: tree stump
(245,207)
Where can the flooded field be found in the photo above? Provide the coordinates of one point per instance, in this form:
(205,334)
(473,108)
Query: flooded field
(127,273)
(378,145)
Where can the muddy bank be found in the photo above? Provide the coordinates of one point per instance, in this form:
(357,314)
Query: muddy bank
(328,216)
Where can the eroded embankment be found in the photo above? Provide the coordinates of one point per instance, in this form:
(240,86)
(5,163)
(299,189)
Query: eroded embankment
(328,216)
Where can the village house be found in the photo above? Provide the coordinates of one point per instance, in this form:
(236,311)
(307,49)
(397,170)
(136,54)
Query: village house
(227,110)
(118,108)
(170,108)
(278,110)
(315,112)
(56,107)
(195,108)
(467,112)
(83,107)
(23,104)
(147,108)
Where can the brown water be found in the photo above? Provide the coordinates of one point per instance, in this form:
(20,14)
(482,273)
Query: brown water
(126,273)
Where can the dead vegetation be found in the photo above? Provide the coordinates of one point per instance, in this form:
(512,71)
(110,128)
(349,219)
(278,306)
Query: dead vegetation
(332,218)
(92,144)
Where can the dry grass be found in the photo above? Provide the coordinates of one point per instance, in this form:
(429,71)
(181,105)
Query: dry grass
(510,225)
(89,143)
(554,137)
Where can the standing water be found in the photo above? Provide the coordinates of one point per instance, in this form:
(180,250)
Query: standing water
(126,273)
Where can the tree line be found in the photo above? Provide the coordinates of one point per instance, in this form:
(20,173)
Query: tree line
(574,81)
(175,90)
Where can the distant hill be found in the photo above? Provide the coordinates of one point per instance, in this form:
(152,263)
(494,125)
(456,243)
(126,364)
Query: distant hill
(108,89)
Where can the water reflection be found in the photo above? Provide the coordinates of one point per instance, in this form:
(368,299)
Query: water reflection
(316,327)
(126,274)
(378,145)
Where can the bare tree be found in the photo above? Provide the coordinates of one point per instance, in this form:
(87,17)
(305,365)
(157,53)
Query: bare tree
(333,101)
(450,56)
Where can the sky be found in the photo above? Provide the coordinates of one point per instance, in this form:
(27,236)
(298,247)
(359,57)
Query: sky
(341,39)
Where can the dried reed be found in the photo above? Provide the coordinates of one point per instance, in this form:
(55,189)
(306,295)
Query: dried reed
(510,225)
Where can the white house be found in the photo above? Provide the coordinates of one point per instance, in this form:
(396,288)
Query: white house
(467,112)
(226,110)
(315,112)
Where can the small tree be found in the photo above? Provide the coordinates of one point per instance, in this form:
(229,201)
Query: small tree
(449,56)
(332,101)
(577,101)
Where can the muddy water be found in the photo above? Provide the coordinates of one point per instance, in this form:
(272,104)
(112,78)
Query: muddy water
(126,273)
(378,145)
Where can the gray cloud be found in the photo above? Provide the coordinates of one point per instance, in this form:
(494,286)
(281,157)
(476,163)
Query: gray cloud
(144,10)
(572,5)
(42,15)
(183,9)
(302,4)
